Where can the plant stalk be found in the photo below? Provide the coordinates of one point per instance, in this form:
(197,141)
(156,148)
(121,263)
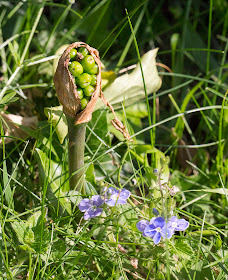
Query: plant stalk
(76,147)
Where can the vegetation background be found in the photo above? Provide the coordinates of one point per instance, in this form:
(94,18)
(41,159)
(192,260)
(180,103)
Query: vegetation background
(181,130)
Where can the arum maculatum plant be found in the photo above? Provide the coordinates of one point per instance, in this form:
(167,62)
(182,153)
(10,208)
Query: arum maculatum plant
(78,85)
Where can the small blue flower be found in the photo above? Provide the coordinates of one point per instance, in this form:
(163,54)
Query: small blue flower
(142,225)
(158,229)
(177,224)
(91,207)
(114,197)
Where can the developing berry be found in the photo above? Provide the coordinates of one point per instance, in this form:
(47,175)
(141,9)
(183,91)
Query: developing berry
(73,53)
(83,51)
(94,80)
(84,103)
(88,62)
(83,80)
(80,93)
(93,70)
(76,68)
(88,91)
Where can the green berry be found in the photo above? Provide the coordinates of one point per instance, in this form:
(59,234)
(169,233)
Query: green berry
(76,68)
(80,93)
(94,70)
(88,91)
(84,103)
(83,80)
(88,62)
(73,53)
(83,51)
(94,80)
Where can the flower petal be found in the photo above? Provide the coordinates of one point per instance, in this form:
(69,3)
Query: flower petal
(124,194)
(89,214)
(121,201)
(111,191)
(159,222)
(150,230)
(182,225)
(152,220)
(85,205)
(142,225)
(167,232)
(173,219)
(98,212)
(97,200)
(157,237)
(110,202)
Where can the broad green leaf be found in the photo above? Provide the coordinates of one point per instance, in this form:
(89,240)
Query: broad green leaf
(52,172)
(58,119)
(29,237)
(32,220)
(184,249)
(128,217)
(90,175)
(107,77)
(129,87)
(98,132)
(20,229)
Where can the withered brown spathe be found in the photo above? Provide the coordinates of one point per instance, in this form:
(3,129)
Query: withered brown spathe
(67,90)
(68,95)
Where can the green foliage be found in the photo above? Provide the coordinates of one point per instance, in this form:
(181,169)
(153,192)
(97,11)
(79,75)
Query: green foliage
(179,133)
(29,233)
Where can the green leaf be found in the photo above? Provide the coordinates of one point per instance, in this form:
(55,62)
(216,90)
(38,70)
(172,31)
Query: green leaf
(7,98)
(58,119)
(33,220)
(184,249)
(20,229)
(97,130)
(51,171)
(29,237)
(128,217)
(90,175)
(129,87)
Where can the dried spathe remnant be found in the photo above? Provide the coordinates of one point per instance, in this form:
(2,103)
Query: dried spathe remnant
(67,89)
(69,94)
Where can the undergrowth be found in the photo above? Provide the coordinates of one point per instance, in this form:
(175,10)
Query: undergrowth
(175,166)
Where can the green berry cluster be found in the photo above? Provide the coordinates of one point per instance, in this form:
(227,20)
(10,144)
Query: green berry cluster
(84,69)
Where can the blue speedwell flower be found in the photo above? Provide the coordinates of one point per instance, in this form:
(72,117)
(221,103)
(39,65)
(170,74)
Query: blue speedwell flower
(143,224)
(177,224)
(91,207)
(158,227)
(114,197)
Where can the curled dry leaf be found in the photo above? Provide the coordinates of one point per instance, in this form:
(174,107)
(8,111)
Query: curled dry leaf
(67,90)
(12,126)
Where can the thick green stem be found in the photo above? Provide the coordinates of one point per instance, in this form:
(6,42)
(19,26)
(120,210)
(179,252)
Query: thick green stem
(76,146)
